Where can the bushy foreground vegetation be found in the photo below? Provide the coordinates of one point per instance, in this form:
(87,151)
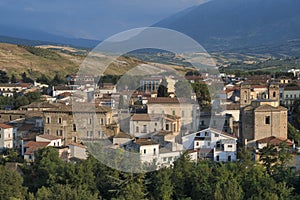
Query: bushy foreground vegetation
(52,178)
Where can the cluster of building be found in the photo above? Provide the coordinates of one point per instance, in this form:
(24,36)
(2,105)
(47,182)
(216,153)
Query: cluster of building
(249,113)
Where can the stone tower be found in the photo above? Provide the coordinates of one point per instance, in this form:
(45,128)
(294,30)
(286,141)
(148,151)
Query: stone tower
(245,93)
(273,92)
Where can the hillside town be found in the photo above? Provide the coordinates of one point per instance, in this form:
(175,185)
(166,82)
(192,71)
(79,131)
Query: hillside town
(153,120)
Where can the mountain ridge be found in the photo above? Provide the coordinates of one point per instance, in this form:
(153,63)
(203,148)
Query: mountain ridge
(231,24)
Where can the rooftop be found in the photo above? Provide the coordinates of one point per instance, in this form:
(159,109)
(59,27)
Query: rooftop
(272,140)
(49,137)
(143,142)
(5,126)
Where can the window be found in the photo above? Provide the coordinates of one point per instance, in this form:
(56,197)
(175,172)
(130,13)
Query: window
(102,121)
(145,151)
(206,133)
(197,144)
(154,151)
(167,127)
(202,123)
(59,120)
(274,94)
(217,158)
(89,134)
(173,112)
(214,122)
(226,122)
(155,124)
(74,139)
(90,120)
(48,120)
(137,129)
(74,128)
(267,120)
(0,135)
(100,133)
(286,96)
(229,158)
(145,128)
(59,132)
(230,146)
(182,113)
(216,135)
(208,144)
(48,131)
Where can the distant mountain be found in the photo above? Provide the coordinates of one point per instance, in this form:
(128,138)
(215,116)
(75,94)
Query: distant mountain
(235,25)
(13,35)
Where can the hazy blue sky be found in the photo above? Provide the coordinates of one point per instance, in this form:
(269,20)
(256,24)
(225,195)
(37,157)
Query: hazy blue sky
(94,19)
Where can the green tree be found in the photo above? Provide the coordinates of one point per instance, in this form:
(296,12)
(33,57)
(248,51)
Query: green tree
(162,184)
(57,80)
(21,101)
(202,93)
(26,79)
(296,114)
(3,77)
(43,79)
(33,96)
(13,79)
(183,89)
(293,134)
(163,89)
(11,185)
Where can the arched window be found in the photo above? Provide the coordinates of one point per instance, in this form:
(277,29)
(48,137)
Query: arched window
(274,94)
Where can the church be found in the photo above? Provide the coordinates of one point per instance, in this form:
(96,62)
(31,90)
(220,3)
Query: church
(261,115)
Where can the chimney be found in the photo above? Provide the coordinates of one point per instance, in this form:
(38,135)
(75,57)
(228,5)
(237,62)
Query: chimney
(116,128)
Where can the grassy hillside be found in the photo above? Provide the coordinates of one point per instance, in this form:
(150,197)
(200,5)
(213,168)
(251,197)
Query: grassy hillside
(34,61)
(50,60)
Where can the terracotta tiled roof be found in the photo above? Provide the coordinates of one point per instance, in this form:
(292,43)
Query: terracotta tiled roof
(269,107)
(232,106)
(123,135)
(292,88)
(5,126)
(26,127)
(62,87)
(143,142)
(272,140)
(49,137)
(161,100)
(33,144)
(193,78)
(141,117)
(80,107)
(77,145)
(40,105)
